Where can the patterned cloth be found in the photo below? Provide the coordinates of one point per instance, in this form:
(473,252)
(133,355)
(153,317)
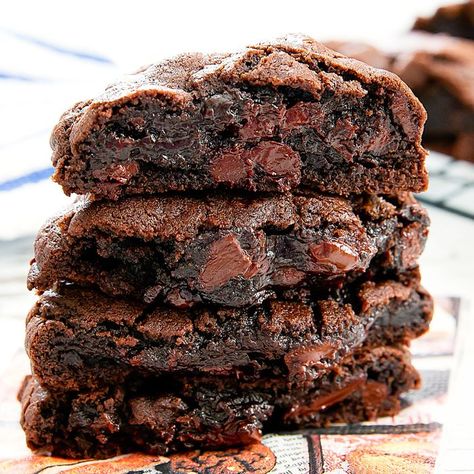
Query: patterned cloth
(38,81)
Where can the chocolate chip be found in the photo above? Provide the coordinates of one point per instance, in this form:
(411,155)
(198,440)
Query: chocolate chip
(309,356)
(412,242)
(277,159)
(226,260)
(231,167)
(326,400)
(302,114)
(333,257)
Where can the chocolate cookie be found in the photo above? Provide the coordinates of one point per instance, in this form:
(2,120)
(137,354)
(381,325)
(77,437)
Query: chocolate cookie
(160,415)
(277,116)
(81,338)
(455,20)
(230,251)
(440,71)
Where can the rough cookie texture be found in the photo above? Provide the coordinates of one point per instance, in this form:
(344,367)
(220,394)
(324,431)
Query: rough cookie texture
(81,337)
(440,71)
(455,20)
(275,117)
(227,250)
(161,415)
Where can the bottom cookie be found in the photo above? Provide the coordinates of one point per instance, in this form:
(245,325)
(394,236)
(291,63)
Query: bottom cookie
(167,414)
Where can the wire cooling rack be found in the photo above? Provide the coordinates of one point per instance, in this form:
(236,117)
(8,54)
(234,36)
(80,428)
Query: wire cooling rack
(451,185)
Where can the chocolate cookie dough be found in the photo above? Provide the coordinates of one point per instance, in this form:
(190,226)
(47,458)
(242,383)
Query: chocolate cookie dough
(440,71)
(80,337)
(278,116)
(231,251)
(455,20)
(161,415)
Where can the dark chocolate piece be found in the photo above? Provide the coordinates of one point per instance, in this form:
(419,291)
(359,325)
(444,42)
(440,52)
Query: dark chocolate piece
(227,250)
(277,116)
(164,415)
(79,337)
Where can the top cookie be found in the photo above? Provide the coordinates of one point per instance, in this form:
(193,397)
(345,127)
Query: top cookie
(278,116)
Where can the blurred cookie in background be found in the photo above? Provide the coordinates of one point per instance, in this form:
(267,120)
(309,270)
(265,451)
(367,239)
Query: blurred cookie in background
(440,71)
(454,20)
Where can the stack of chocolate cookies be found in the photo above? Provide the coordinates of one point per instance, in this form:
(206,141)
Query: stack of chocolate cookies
(243,257)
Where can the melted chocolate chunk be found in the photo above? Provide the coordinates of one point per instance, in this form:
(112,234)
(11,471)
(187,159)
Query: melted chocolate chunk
(306,360)
(226,261)
(117,172)
(373,394)
(261,120)
(327,400)
(301,114)
(231,167)
(277,160)
(333,257)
